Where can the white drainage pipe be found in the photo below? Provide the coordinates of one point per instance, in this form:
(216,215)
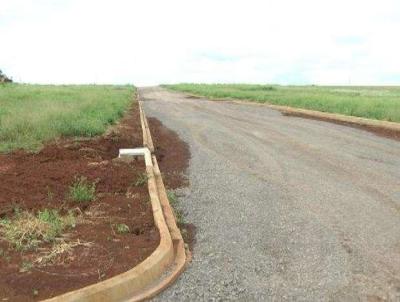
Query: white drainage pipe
(137,152)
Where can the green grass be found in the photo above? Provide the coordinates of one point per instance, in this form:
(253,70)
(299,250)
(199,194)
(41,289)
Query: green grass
(141,180)
(82,191)
(122,228)
(381,103)
(173,201)
(33,114)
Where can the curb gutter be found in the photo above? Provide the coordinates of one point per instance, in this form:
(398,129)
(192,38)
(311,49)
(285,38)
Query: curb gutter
(162,267)
(369,123)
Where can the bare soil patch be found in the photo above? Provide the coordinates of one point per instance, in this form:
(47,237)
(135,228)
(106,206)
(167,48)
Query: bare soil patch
(97,248)
(173,157)
(172,154)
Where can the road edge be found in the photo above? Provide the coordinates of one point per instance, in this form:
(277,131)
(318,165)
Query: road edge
(162,267)
(325,116)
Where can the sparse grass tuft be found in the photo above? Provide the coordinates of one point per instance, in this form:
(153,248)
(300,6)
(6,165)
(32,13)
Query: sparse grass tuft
(173,201)
(25,231)
(82,191)
(4,255)
(50,195)
(58,248)
(141,180)
(26,266)
(122,228)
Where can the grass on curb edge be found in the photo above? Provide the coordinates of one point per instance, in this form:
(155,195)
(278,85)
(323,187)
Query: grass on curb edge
(142,179)
(173,201)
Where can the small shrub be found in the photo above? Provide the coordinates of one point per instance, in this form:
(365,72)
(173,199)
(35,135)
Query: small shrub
(82,190)
(173,201)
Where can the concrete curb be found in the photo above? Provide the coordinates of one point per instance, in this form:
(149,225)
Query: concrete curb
(369,123)
(339,117)
(162,267)
(147,139)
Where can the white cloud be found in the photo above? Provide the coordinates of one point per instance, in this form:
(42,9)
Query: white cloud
(150,42)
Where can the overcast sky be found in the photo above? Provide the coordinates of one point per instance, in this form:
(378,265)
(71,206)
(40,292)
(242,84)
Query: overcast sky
(151,42)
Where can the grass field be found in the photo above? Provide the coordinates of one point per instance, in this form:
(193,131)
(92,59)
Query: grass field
(33,114)
(381,103)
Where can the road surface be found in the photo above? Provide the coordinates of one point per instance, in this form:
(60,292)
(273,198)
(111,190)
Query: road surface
(286,208)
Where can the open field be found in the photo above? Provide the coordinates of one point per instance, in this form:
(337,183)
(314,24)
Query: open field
(381,103)
(33,114)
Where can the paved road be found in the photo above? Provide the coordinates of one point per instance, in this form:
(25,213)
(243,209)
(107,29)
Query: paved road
(287,209)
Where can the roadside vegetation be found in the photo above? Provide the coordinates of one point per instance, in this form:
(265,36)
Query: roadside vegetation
(25,230)
(82,191)
(33,114)
(173,201)
(141,179)
(70,215)
(122,228)
(381,103)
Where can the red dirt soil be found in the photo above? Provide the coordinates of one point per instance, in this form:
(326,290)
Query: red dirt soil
(173,157)
(172,154)
(33,181)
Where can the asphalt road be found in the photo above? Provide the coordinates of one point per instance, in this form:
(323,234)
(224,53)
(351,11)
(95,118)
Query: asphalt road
(286,208)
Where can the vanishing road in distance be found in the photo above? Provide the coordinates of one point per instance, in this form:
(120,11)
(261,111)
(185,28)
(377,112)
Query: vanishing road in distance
(286,208)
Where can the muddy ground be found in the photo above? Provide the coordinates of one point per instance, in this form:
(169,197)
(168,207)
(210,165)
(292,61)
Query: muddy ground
(34,181)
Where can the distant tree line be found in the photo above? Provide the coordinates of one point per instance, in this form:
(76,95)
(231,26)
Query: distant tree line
(4,78)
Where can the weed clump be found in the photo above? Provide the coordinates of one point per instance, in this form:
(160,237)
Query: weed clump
(25,231)
(141,180)
(122,228)
(82,191)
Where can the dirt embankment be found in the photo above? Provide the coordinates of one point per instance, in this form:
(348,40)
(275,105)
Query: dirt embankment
(35,181)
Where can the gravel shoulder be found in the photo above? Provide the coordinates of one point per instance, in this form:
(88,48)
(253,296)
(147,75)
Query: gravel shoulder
(286,208)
